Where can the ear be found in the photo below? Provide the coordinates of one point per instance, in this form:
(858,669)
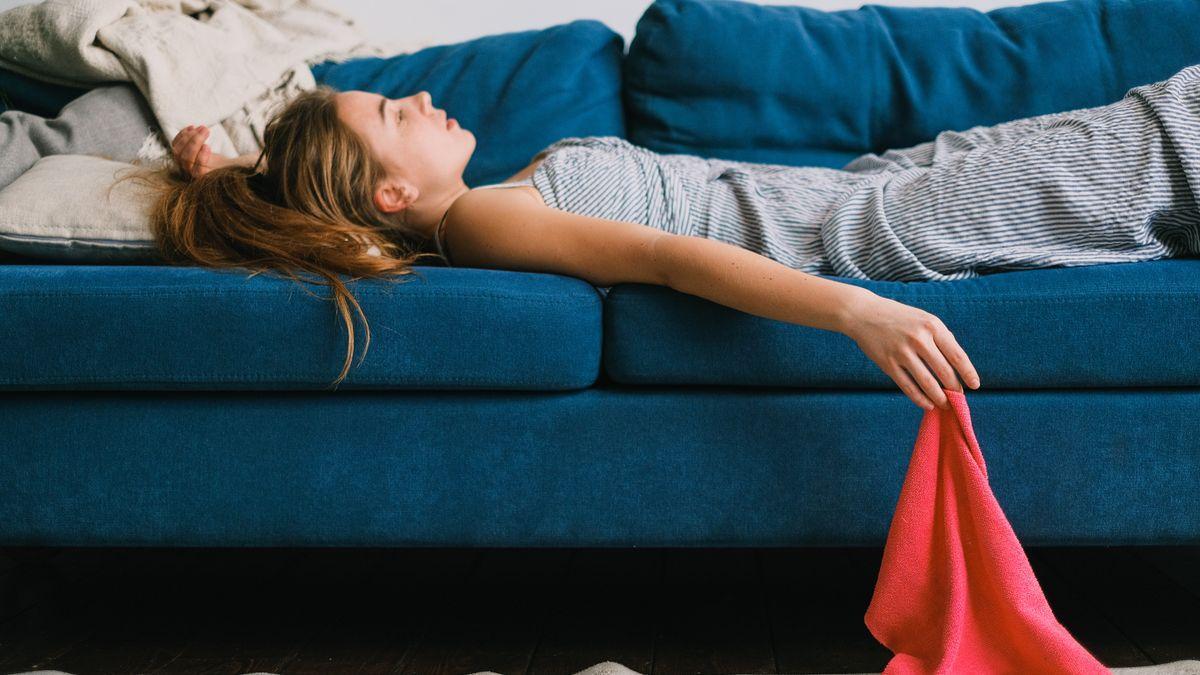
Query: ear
(394,195)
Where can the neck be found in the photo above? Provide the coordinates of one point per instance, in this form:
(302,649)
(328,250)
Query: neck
(426,216)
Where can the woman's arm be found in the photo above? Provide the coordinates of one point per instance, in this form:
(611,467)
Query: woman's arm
(905,342)
(742,279)
(489,228)
(512,230)
(248,160)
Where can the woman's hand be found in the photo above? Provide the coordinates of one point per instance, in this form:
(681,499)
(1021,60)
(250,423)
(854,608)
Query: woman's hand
(907,343)
(194,155)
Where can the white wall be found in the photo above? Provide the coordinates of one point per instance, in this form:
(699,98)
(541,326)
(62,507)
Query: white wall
(456,20)
(413,24)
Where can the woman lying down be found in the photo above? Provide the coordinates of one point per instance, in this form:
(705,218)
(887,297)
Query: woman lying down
(356,183)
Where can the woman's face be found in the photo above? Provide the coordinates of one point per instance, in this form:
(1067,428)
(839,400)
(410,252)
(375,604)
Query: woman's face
(416,142)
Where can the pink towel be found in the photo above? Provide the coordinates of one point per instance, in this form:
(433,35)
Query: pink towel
(955,592)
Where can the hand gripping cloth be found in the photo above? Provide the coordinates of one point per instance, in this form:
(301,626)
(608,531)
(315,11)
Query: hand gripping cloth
(955,592)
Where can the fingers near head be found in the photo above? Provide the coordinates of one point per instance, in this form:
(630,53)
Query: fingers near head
(200,156)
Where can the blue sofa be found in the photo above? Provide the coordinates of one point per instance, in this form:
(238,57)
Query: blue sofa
(177,406)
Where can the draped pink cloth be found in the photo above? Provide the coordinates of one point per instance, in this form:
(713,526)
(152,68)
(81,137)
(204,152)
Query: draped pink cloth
(955,592)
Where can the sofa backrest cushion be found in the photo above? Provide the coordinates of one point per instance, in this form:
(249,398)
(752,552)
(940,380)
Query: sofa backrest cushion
(516,92)
(29,94)
(801,86)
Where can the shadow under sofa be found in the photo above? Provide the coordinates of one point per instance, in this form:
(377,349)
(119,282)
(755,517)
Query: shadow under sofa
(163,406)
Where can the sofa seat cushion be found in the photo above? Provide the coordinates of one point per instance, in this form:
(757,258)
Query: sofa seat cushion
(1110,325)
(168,328)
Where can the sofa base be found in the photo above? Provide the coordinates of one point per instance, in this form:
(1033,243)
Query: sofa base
(607,466)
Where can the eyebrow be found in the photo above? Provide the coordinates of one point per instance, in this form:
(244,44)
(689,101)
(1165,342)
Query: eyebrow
(382,116)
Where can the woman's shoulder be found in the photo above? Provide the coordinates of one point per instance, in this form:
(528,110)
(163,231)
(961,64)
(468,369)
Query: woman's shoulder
(482,200)
(482,204)
(518,189)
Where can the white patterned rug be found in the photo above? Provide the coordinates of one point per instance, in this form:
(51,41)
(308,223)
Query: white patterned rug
(1187,667)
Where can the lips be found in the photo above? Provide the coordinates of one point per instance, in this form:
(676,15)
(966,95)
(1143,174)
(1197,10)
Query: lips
(451,123)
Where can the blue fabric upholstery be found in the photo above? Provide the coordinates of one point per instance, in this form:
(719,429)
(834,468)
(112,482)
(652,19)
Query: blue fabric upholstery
(1115,325)
(29,94)
(517,92)
(801,86)
(608,435)
(154,327)
(626,466)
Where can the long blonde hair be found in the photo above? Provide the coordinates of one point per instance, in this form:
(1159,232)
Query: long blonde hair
(309,209)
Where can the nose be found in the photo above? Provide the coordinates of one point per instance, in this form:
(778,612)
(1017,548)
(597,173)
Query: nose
(424,100)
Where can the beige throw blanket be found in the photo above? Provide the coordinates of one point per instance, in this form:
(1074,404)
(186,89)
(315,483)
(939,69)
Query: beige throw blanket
(226,64)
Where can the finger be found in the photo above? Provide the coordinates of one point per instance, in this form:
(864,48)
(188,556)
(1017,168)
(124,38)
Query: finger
(202,140)
(193,155)
(910,388)
(198,139)
(917,368)
(178,141)
(197,165)
(194,152)
(950,347)
(183,154)
(936,361)
(181,138)
(191,139)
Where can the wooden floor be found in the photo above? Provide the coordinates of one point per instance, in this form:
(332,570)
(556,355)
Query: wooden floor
(558,611)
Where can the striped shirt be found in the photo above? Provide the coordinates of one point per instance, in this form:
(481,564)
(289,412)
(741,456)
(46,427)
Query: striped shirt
(1111,183)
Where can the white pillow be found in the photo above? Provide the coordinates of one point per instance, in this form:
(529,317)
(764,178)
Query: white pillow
(61,209)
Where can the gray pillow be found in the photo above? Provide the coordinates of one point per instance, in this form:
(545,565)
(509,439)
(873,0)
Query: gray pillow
(62,208)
